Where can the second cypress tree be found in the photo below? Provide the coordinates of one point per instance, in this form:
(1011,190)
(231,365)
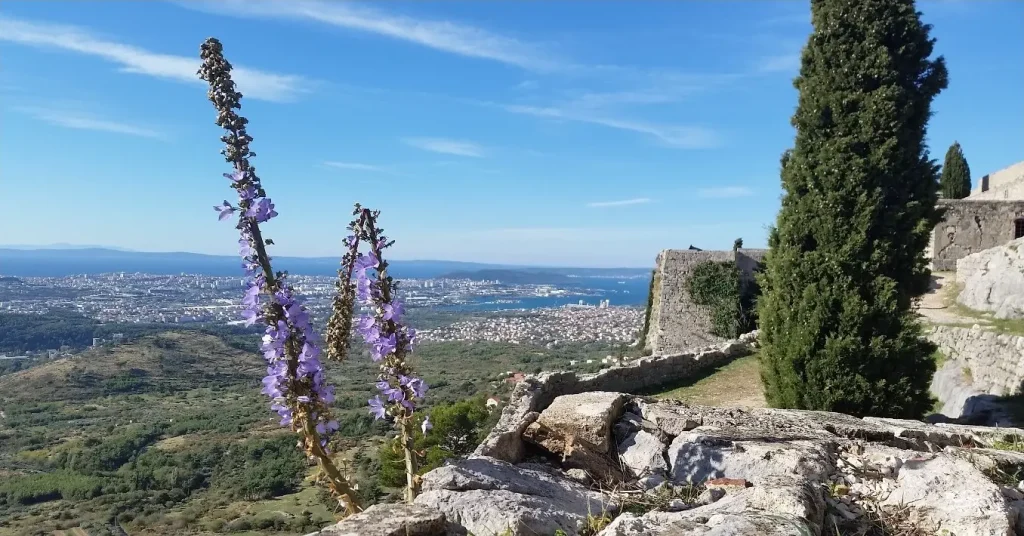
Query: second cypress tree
(956,174)
(847,253)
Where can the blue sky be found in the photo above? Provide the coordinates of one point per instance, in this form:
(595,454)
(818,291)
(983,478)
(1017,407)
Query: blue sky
(568,133)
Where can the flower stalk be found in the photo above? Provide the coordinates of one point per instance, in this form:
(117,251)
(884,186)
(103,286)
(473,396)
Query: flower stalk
(383,330)
(295,379)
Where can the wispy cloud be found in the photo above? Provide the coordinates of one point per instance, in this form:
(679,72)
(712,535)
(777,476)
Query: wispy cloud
(446,36)
(725,192)
(781,63)
(624,202)
(253,83)
(355,166)
(681,136)
(446,146)
(80,121)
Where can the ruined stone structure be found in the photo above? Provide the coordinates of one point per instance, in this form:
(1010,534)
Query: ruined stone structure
(1006,184)
(972,225)
(991,216)
(676,323)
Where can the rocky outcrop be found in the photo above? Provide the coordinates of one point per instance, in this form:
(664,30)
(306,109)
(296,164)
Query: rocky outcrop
(993,280)
(394,520)
(703,470)
(492,497)
(535,393)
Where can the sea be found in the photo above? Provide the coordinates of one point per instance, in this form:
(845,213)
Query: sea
(588,291)
(626,286)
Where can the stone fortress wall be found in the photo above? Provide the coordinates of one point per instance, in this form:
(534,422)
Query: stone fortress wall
(972,225)
(992,215)
(1005,184)
(677,324)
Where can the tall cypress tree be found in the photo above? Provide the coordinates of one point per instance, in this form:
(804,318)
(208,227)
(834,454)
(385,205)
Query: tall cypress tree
(956,174)
(847,252)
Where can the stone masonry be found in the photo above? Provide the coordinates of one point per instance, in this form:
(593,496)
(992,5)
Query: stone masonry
(1005,184)
(970,226)
(677,324)
(991,363)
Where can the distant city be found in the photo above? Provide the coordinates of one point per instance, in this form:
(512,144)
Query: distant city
(546,314)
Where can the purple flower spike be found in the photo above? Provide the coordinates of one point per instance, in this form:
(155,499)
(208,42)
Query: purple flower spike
(225,210)
(377,408)
(393,311)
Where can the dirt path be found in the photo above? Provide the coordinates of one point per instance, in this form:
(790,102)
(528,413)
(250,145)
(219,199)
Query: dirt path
(936,307)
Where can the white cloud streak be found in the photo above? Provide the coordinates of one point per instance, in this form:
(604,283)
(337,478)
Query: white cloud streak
(622,203)
(355,166)
(445,36)
(79,121)
(446,146)
(252,83)
(782,63)
(725,192)
(680,136)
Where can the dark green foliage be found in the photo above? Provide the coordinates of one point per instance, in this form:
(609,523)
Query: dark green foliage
(41,487)
(737,244)
(114,451)
(458,428)
(847,254)
(263,468)
(956,174)
(27,332)
(719,287)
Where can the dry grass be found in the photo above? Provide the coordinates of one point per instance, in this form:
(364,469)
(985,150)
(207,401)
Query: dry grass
(737,383)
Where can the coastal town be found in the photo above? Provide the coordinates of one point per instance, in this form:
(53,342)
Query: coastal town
(549,327)
(541,314)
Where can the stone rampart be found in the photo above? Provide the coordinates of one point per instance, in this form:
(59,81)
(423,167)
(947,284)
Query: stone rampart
(676,323)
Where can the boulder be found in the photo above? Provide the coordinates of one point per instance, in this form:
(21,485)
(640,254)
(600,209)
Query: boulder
(488,496)
(573,453)
(701,455)
(393,520)
(586,417)
(993,280)
(643,454)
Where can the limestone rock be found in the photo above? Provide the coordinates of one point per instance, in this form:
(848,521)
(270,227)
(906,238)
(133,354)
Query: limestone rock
(488,496)
(706,454)
(948,491)
(790,510)
(587,417)
(993,280)
(573,453)
(391,520)
(643,454)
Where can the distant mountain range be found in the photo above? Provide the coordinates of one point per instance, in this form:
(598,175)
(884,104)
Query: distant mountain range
(54,261)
